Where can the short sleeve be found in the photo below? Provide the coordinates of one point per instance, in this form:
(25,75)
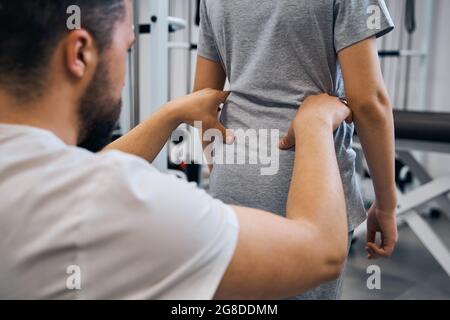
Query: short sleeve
(357,20)
(207,47)
(154,236)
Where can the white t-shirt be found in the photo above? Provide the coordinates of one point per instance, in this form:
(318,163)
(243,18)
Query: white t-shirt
(78,225)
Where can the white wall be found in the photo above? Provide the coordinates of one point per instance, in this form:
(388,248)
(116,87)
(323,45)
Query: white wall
(440,77)
(440,72)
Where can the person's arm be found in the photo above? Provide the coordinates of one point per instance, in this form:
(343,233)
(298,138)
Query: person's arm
(209,74)
(147,139)
(278,257)
(372,113)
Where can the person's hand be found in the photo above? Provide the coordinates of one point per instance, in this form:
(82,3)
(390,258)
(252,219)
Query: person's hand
(203,106)
(384,222)
(324,108)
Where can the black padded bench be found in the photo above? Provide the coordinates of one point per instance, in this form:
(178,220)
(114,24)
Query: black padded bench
(422,126)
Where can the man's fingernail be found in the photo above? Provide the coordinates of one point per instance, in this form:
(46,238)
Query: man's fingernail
(230,137)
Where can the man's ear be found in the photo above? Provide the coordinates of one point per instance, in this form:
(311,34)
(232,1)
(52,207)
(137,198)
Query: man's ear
(80,54)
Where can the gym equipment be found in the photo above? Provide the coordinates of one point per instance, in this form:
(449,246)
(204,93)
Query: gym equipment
(410,24)
(176,24)
(197,14)
(148,78)
(182,48)
(146,86)
(398,47)
(401,53)
(427,132)
(148,66)
(134,71)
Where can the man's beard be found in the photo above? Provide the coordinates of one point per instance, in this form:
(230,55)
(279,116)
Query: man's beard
(99,112)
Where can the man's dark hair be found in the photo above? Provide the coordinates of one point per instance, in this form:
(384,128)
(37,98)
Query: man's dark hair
(31,29)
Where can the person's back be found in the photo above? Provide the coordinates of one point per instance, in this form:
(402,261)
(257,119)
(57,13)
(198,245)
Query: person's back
(275,54)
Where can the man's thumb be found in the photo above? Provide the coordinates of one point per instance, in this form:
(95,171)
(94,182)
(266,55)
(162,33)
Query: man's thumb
(288,141)
(223,96)
(228,135)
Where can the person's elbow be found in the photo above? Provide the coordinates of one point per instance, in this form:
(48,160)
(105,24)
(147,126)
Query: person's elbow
(335,258)
(331,250)
(335,261)
(375,106)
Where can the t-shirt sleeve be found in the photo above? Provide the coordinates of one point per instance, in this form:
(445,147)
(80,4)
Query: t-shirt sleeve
(156,236)
(357,20)
(207,47)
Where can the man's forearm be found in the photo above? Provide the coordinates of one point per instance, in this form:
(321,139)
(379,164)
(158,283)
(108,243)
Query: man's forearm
(375,127)
(148,139)
(316,192)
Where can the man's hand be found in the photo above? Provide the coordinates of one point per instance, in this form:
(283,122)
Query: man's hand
(324,108)
(384,222)
(203,106)
(148,139)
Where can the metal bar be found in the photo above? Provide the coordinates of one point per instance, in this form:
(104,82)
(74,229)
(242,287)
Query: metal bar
(189,62)
(424,194)
(176,24)
(430,240)
(401,53)
(419,172)
(410,24)
(424,177)
(134,71)
(401,6)
(179,45)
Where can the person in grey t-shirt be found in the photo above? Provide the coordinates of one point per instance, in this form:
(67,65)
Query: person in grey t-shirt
(277,53)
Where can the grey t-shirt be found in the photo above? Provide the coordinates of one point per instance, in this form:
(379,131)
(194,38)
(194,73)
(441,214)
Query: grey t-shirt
(275,54)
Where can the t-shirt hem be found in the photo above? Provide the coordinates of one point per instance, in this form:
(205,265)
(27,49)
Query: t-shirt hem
(208,56)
